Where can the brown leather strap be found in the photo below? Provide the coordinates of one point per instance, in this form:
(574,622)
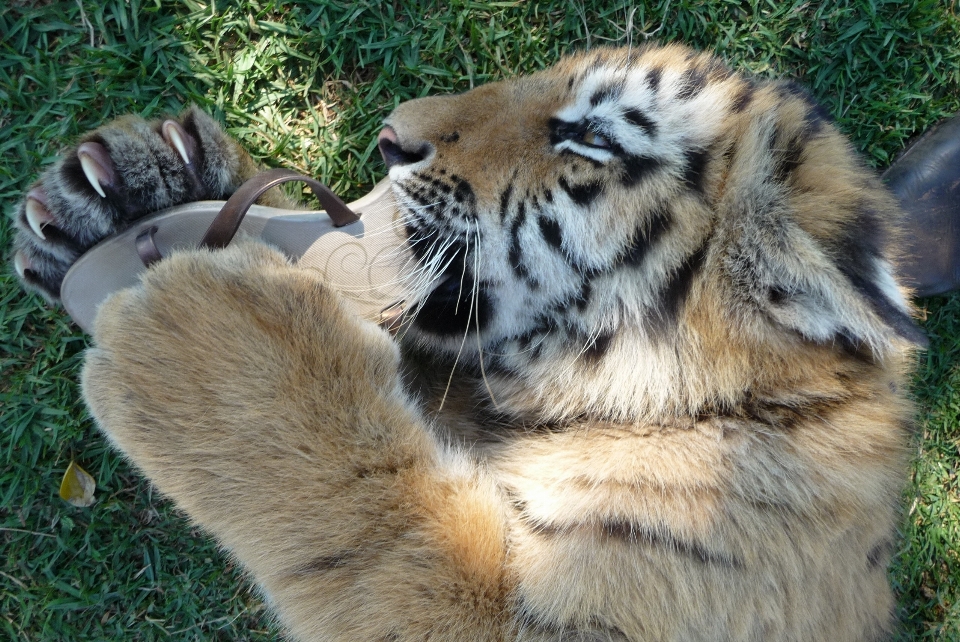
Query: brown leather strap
(227,222)
(147,246)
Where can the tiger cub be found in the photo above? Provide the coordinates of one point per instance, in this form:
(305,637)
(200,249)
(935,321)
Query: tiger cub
(652,386)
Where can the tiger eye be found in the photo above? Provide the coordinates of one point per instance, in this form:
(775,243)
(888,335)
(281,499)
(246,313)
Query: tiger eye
(594,139)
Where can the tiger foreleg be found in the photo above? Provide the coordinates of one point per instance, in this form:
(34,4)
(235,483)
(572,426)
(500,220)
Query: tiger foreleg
(246,392)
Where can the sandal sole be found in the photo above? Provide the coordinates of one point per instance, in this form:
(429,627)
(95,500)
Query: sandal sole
(362,260)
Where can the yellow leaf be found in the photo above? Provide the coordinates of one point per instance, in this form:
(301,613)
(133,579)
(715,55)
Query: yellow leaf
(77,486)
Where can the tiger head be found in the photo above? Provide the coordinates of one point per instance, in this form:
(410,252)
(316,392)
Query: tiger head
(639,233)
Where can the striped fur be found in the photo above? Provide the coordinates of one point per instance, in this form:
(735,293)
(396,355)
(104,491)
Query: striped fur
(679,358)
(711,191)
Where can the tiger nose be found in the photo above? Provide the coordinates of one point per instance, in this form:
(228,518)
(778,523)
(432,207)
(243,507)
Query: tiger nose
(396,153)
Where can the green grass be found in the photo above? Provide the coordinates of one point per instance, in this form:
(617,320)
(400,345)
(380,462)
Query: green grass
(305,86)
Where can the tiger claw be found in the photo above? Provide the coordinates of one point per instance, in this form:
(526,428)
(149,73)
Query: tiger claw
(21,263)
(96,165)
(179,139)
(36,212)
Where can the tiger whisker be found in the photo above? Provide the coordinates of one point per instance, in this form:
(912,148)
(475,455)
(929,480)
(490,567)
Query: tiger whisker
(476,299)
(428,273)
(463,275)
(466,330)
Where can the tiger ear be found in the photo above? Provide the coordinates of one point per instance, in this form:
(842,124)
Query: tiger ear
(854,304)
(811,257)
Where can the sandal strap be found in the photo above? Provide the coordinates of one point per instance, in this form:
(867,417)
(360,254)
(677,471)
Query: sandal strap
(225,225)
(147,246)
(227,222)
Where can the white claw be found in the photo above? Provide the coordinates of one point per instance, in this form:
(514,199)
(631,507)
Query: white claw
(20,264)
(172,132)
(91,169)
(37,217)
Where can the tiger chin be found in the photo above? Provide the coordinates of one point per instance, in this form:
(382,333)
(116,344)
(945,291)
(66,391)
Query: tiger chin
(654,387)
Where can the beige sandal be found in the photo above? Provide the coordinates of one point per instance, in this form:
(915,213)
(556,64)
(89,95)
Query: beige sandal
(357,248)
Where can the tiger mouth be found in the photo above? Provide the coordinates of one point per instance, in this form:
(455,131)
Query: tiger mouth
(455,305)
(447,290)
(457,301)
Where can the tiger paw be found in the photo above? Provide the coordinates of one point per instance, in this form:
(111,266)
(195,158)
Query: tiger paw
(116,175)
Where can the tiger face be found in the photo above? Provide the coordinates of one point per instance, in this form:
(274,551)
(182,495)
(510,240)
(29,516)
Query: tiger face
(645,227)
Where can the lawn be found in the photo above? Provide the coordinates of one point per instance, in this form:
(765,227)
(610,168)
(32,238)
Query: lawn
(304,85)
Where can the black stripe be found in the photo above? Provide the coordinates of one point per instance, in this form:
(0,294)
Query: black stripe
(879,556)
(863,239)
(898,320)
(505,200)
(417,243)
(325,563)
(857,249)
(543,326)
(692,83)
(693,172)
(521,216)
(718,70)
(582,299)
(641,120)
(788,156)
(582,194)
(817,115)
(674,293)
(783,416)
(653,78)
(425,198)
(631,532)
(853,346)
(636,167)
(537,624)
(646,237)
(597,64)
(463,193)
(551,232)
(436,183)
(606,94)
(744,96)
(777,294)
(817,118)
(515,253)
(791,89)
(598,347)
